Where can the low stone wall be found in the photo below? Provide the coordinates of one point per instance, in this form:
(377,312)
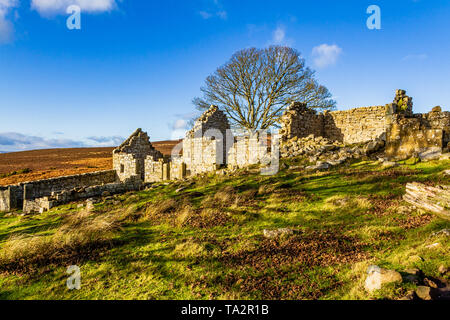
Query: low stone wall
(42,188)
(76,194)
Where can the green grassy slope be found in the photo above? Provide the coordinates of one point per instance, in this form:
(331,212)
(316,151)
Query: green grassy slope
(206,241)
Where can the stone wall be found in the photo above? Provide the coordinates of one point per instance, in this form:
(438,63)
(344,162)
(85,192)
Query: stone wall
(129,157)
(45,188)
(355,126)
(204,148)
(420,135)
(5,199)
(19,196)
(76,194)
(300,121)
(247,150)
(352,126)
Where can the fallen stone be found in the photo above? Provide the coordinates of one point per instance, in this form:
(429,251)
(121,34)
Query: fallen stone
(430,283)
(443,232)
(180,189)
(377,277)
(434,245)
(445,156)
(411,295)
(424,292)
(272,234)
(442,269)
(430,154)
(318,166)
(389,164)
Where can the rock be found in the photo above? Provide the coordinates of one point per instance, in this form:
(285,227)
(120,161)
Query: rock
(445,156)
(424,292)
(443,232)
(430,283)
(436,109)
(442,269)
(430,154)
(373,146)
(447,172)
(434,245)
(272,234)
(377,277)
(90,204)
(80,205)
(411,295)
(318,166)
(389,164)
(415,258)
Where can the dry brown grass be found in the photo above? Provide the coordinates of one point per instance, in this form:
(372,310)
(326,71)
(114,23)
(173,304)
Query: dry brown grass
(52,163)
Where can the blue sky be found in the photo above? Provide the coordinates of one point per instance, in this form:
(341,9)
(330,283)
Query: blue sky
(137,63)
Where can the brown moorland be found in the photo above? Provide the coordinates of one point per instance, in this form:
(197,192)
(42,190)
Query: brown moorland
(35,165)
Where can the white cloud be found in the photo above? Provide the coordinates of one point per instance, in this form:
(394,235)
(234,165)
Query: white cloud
(46,7)
(205,15)
(13,141)
(421,56)
(6,27)
(279,35)
(326,55)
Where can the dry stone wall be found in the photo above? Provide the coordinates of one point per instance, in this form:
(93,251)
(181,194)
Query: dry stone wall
(355,126)
(418,136)
(352,126)
(77,194)
(247,150)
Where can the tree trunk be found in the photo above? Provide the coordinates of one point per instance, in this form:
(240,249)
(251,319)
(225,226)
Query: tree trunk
(433,199)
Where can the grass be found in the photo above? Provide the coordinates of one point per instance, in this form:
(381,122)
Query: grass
(206,241)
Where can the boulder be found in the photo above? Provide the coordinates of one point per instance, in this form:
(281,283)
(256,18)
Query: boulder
(273,234)
(424,292)
(377,277)
(430,154)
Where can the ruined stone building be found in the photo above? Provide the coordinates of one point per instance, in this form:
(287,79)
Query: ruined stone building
(130,157)
(210,145)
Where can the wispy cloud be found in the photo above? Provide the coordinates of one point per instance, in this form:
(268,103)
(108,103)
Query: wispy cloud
(182,124)
(111,141)
(215,10)
(421,56)
(6,26)
(13,141)
(279,37)
(48,7)
(326,55)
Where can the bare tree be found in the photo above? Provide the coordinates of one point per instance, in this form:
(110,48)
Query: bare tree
(256,85)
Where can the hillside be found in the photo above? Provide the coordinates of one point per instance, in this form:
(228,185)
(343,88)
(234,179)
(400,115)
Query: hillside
(34,165)
(204,238)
